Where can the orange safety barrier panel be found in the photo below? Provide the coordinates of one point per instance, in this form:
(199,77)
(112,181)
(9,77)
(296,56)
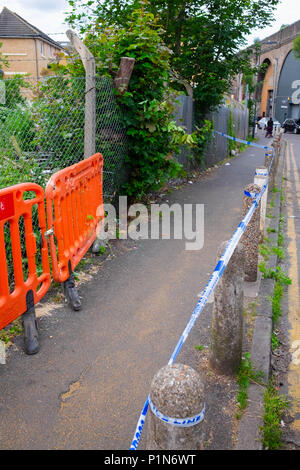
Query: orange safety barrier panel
(73,196)
(17,294)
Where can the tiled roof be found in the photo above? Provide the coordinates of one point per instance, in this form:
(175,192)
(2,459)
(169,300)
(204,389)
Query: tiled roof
(13,26)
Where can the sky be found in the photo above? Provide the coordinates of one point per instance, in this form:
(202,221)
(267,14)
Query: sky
(48,16)
(287,12)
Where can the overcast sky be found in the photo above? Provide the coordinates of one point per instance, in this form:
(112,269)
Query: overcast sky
(48,15)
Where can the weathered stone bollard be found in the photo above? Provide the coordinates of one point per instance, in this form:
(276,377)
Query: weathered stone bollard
(260,178)
(268,160)
(276,144)
(176,392)
(227,318)
(251,236)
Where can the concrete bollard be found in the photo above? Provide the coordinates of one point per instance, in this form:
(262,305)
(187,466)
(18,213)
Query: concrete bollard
(176,392)
(227,318)
(251,236)
(276,144)
(268,160)
(260,178)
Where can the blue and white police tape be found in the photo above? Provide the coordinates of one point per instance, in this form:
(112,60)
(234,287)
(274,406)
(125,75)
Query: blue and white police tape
(248,194)
(213,281)
(235,139)
(178,422)
(139,427)
(262,172)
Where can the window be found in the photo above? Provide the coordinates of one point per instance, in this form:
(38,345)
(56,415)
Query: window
(42,48)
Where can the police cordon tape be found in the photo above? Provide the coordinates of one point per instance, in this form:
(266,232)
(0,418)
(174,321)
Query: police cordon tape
(208,290)
(214,279)
(182,422)
(235,139)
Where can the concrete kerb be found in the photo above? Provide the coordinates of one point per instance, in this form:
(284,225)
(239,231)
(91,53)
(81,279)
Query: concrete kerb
(249,431)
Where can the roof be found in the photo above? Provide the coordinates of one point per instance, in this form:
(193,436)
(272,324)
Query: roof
(13,26)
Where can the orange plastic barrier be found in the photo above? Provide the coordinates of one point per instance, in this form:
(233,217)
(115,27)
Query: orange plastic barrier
(16,295)
(73,196)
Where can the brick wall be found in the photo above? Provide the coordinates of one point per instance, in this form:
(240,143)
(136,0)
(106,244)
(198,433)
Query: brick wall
(26,56)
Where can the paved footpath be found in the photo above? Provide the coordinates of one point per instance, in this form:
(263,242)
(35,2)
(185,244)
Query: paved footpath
(86,387)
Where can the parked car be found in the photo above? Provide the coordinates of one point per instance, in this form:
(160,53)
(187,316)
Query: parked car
(262,123)
(291,125)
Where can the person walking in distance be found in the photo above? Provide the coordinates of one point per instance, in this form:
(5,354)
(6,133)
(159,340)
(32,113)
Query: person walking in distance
(269,130)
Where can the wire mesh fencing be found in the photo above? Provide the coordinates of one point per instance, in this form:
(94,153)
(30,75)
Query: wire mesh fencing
(42,126)
(42,129)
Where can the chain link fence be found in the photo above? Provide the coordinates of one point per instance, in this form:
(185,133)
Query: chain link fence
(42,131)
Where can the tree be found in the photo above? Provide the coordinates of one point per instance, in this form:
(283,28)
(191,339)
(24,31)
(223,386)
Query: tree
(153,136)
(205,36)
(296,47)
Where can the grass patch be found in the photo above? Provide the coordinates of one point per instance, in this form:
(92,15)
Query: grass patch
(276,301)
(245,375)
(199,347)
(11,331)
(274,341)
(275,405)
(277,274)
(271,230)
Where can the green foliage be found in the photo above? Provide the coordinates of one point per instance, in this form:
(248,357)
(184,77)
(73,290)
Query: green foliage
(58,105)
(148,104)
(264,251)
(13,93)
(17,171)
(206,36)
(276,302)
(153,136)
(280,276)
(185,44)
(14,329)
(199,347)
(245,375)
(296,47)
(16,135)
(274,341)
(202,136)
(275,405)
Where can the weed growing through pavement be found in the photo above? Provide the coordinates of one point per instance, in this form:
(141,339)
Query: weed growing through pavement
(274,341)
(245,375)
(10,332)
(275,405)
(199,347)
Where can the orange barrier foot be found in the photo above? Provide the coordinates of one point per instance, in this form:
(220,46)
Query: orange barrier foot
(70,291)
(30,328)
